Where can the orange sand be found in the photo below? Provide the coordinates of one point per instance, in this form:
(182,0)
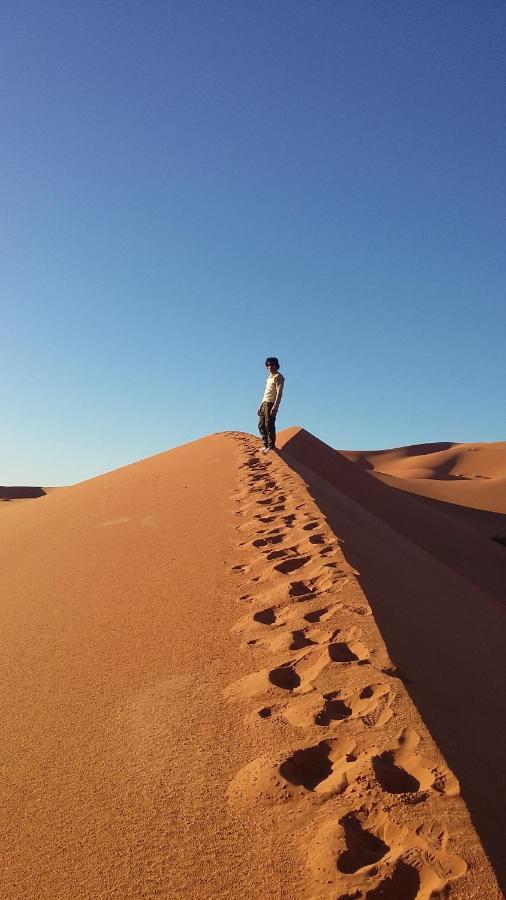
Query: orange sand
(465,481)
(226,675)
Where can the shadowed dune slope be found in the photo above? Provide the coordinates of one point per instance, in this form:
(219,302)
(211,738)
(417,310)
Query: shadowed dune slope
(472,555)
(433,585)
(21,492)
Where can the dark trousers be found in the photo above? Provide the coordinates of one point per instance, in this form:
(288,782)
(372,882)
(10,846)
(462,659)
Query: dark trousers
(267,425)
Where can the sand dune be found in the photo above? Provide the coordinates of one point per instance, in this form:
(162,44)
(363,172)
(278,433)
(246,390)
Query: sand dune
(441,461)
(231,675)
(469,479)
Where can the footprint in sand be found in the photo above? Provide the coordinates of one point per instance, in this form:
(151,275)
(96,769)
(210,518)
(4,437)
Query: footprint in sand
(299,640)
(320,769)
(328,766)
(267,625)
(316,615)
(291,637)
(359,610)
(348,652)
(268,541)
(265,616)
(301,589)
(374,857)
(326,551)
(435,867)
(316,539)
(422,866)
(252,463)
(363,847)
(376,702)
(308,768)
(317,584)
(403,882)
(289,520)
(371,704)
(393,778)
(401,770)
(285,677)
(279,554)
(333,710)
(241,569)
(295,675)
(291,565)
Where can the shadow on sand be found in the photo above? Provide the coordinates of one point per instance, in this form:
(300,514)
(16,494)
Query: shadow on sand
(21,493)
(436,589)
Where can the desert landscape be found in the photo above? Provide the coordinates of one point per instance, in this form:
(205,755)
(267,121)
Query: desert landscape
(233,674)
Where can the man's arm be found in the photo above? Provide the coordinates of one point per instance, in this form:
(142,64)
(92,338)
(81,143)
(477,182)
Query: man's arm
(280,381)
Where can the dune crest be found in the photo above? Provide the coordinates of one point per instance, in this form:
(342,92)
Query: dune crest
(353,779)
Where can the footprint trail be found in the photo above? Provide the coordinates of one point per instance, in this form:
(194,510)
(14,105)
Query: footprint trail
(373,808)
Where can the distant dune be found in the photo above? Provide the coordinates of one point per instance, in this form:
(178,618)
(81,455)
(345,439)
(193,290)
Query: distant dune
(445,462)
(227,674)
(470,479)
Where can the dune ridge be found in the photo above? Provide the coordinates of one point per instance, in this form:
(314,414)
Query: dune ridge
(363,798)
(201,701)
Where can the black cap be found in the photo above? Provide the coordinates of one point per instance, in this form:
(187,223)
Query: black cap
(272,359)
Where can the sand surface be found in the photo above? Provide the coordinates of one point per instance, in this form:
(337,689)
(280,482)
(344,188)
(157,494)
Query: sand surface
(465,481)
(230,674)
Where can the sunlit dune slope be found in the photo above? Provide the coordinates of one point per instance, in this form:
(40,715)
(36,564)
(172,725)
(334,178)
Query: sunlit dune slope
(117,596)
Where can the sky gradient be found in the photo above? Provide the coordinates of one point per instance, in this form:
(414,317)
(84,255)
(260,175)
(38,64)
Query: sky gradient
(189,187)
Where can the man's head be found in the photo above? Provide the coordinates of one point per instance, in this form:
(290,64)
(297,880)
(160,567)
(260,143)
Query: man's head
(272,363)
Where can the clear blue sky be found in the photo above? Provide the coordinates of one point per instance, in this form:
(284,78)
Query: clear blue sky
(188,187)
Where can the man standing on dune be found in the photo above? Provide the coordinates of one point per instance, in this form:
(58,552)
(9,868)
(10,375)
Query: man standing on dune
(270,404)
